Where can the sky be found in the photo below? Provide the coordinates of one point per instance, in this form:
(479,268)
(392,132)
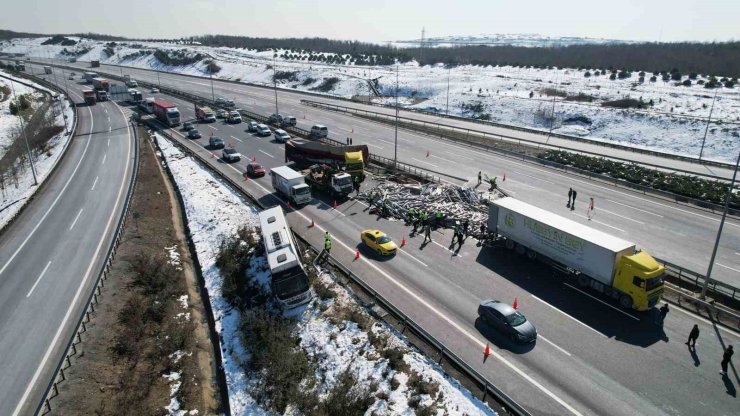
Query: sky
(381,20)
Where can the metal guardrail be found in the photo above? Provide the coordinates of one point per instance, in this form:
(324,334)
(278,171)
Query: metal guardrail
(487,386)
(452,117)
(713,207)
(44,406)
(721,292)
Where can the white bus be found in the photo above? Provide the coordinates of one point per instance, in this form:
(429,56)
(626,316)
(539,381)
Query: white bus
(289,281)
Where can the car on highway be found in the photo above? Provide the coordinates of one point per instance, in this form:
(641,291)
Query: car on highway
(154,90)
(220,101)
(319,131)
(377,241)
(507,320)
(71,76)
(255,170)
(234,117)
(221,113)
(288,121)
(252,126)
(231,155)
(281,136)
(188,125)
(215,142)
(263,130)
(193,134)
(275,118)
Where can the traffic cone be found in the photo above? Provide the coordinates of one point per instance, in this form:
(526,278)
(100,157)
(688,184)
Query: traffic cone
(245,178)
(504,180)
(403,241)
(287,205)
(335,204)
(487,351)
(515,305)
(357,254)
(312,224)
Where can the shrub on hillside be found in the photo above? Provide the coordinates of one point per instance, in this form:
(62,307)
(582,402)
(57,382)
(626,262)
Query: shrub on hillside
(327,85)
(624,103)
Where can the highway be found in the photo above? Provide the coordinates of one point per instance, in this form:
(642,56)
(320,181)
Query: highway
(51,254)
(591,357)
(681,234)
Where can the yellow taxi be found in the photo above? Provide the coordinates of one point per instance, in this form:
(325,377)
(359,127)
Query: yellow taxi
(377,241)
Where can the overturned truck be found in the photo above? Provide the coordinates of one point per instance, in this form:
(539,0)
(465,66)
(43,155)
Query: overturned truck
(349,159)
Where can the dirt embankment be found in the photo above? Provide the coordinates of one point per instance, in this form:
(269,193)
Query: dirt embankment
(150,322)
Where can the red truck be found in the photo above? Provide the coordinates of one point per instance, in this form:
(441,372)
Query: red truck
(166,112)
(89,96)
(101,84)
(350,159)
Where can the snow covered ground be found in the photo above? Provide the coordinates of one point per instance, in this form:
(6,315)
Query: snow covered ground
(9,122)
(14,195)
(214,213)
(675,123)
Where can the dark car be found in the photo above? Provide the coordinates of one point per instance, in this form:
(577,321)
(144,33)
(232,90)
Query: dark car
(216,142)
(188,125)
(255,170)
(507,320)
(193,134)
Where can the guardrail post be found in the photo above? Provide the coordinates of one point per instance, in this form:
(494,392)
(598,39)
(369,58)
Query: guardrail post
(485,391)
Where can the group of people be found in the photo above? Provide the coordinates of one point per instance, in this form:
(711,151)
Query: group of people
(349,140)
(491,180)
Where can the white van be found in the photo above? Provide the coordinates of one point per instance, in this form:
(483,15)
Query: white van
(319,131)
(147,105)
(288,121)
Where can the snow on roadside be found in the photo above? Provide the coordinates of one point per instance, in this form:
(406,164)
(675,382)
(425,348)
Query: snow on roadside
(15,195)
(214,213)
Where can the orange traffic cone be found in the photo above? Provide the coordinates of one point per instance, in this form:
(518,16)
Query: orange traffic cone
(487,351)
(334,205)
(245,177)
(212,155)
(504,180)
(287,205)
(516,304)
(312,224)
(403,241)
(357,254)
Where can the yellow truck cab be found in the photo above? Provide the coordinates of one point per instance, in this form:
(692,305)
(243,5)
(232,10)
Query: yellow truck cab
(640,276)
(354,164)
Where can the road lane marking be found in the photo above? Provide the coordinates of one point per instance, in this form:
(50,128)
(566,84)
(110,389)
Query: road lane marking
(53,204)
(553,344)
(110,128)
(38,279)
(412,257)
(422,161)
(534,177)
(523,184)
(576,320)
(599,222)
(599,300)
(372,145)
(209,126)
(620,216)
(384,141)
(500,358)
(236,138)
(105,156)
(630,206)
(108,143)
(727,267)
(94,183)
(86,276)
(263,152)
(446,160)
(75,221)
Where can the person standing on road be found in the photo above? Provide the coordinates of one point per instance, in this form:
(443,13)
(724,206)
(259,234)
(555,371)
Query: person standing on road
(480,177)
(455,234)
(327,236)
(427,233)
(693,335)
(357,185)
(350,140)
(663,312)
(573,203)
(726,357)
(570,196)
(327,246)
(466,224)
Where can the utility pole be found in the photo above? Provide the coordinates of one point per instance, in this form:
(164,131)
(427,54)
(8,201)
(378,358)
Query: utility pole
(728,197)
(274,81)
(552,114)
(213,92)
(159,84)
(447,111)
(709,120)
(25,136)
(421,46)
(395,146)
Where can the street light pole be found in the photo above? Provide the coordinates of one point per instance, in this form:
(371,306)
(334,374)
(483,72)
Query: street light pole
(447,111)
(395,145)
(709,120)
(552,115)
(25,136)
(728,197)
(213,92)
(274,82)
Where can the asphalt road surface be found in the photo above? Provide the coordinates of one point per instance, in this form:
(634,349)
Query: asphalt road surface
(51,254)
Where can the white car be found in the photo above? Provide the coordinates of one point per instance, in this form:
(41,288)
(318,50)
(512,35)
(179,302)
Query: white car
(155,90)
(263,130)
(235,117)
(281,136)
(231,155)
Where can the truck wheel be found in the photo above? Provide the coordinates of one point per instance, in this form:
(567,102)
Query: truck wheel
(531,254)
(625,301)
(510,244)
(520,249)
